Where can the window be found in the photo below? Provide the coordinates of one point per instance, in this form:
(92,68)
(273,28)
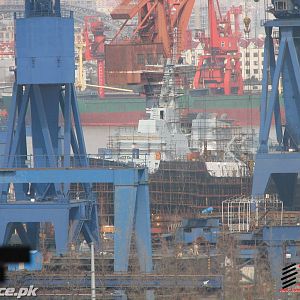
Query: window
(255,71)
(247,54)
(160,59)
(140,59)
(280,5)
(150,59)
(255,63)
(247,72)
(247,63)
(161,114)
(255,54)
(222,44)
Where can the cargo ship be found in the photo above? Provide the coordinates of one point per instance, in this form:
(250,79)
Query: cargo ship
(127,110)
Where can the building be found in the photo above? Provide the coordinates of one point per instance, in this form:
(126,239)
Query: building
(90,4)
(6,31)
(252,58)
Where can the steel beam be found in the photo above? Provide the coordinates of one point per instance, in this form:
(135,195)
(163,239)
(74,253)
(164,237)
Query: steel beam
(280,241)
(132,214)
(57,214)
(272,163)
(130,176)
(141,281)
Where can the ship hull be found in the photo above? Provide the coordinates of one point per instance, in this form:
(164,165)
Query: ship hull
(181,189)
(128,110)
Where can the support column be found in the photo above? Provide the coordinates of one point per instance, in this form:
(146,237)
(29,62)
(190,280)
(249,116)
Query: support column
(261,178)
(3,225)
(33,230)
(143,229)
(61,227)
(92,226)
(125,200)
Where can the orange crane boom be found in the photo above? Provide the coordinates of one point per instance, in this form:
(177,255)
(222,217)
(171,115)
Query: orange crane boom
(160,32)
(157,20)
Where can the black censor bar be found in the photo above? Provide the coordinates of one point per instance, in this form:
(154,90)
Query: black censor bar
(12,254)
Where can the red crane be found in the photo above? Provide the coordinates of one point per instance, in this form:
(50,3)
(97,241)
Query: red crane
(161,32)
(94,47)
(157,20)
(219,68)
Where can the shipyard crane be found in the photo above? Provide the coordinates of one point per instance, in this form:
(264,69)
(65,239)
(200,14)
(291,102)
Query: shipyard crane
(156,21)
(282,165)
(44,82)
(94,47)
(160,33)
(39,173)
(94,39)
(219,69)
(277,169)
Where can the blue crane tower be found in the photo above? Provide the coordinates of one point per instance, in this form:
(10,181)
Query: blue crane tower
(44,85)
(42,160)
(281,165)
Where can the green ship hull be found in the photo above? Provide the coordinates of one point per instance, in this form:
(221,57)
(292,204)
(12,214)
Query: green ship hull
(128,110)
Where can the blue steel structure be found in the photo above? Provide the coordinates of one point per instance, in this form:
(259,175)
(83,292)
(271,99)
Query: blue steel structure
(283,249)
(44,96)
(280,243)
(143,281)
(193,229)
(45,86)
(283,164)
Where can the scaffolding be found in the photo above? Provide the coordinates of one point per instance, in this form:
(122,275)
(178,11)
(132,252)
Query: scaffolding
(247,214)
(182,189)
(178,189)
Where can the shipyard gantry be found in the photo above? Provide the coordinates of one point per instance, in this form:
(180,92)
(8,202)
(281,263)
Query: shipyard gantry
(184,224)
(37,191)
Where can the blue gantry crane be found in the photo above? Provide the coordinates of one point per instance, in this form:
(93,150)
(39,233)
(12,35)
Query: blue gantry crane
(282,165)
(45,150)
(45,86)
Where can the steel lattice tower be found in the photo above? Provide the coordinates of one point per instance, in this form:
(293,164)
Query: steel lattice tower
(282,164)
(44,86)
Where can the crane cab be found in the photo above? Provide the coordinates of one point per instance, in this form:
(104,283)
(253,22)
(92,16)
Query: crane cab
(283,5)
(285,8)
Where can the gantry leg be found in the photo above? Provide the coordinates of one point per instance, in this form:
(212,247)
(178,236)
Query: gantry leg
(125,200)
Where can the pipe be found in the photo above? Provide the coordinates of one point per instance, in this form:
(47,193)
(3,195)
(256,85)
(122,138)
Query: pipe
(93,280)
(109,88)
